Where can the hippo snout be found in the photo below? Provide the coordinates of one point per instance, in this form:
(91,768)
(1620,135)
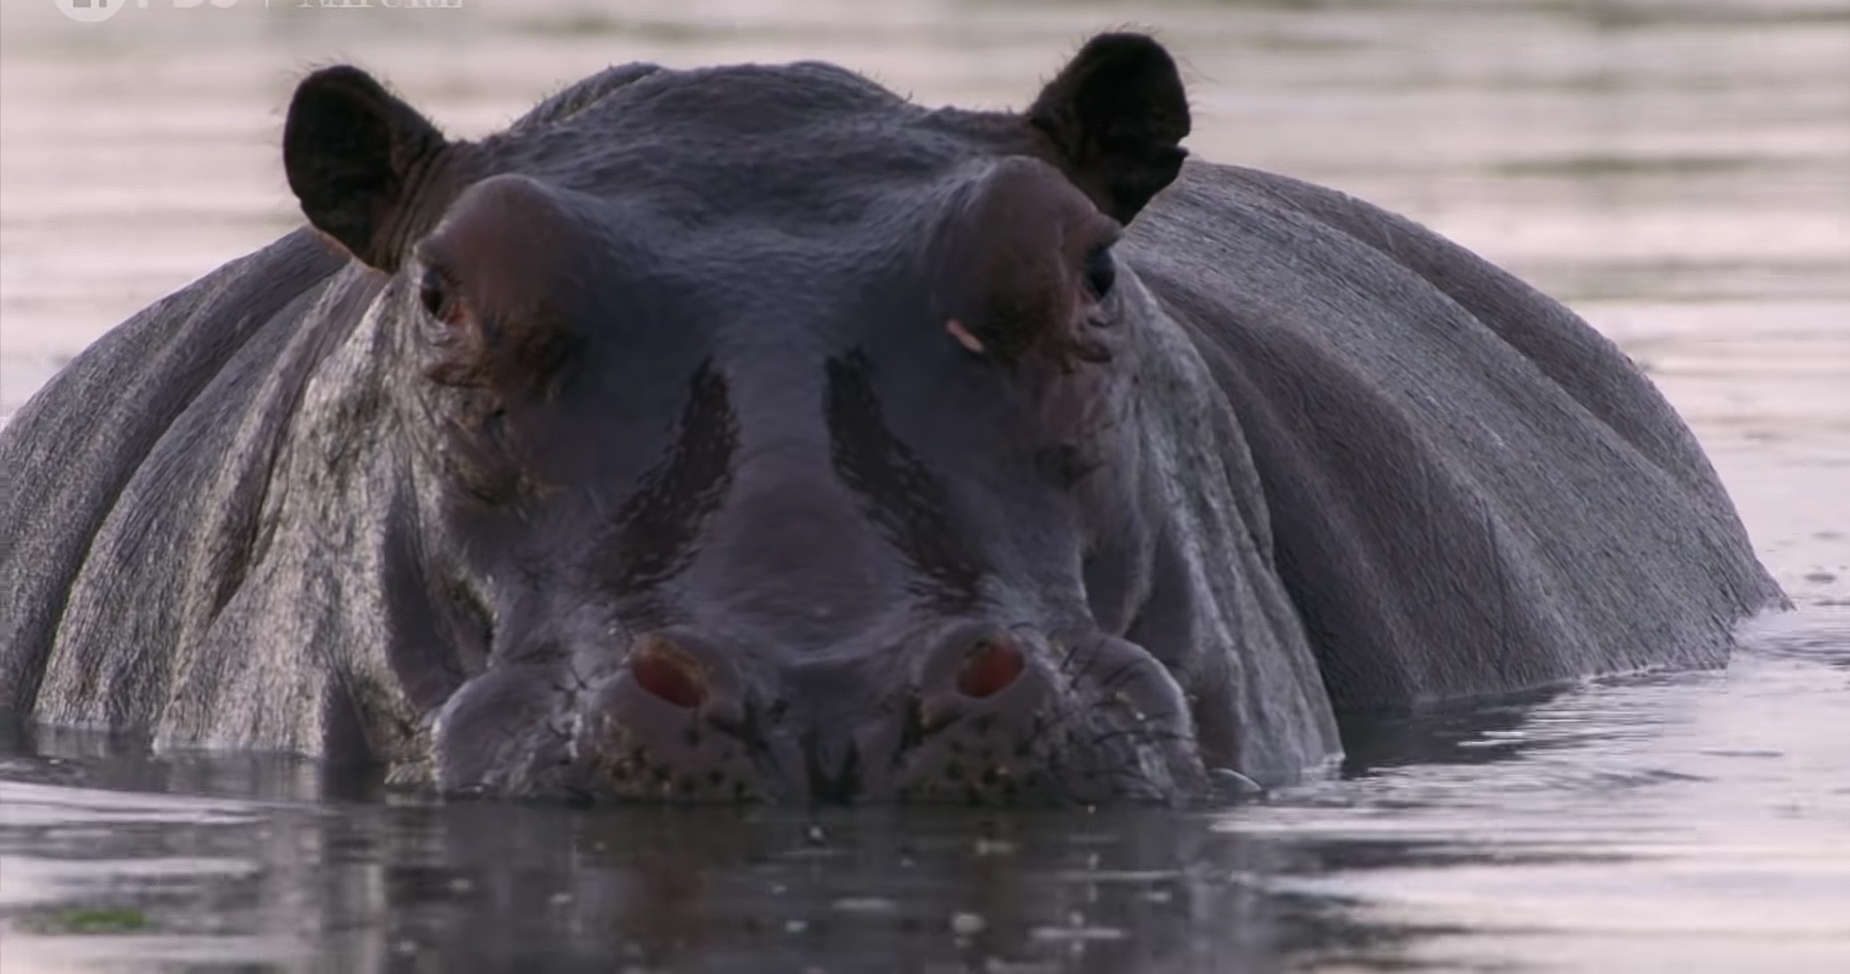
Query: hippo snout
(984,713)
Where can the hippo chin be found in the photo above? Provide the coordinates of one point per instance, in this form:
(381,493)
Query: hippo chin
(751,433)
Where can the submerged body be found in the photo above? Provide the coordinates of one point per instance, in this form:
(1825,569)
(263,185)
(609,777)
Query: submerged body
(752,433)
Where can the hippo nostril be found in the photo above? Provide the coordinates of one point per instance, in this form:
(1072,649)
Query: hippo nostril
(990,668)
(670,674)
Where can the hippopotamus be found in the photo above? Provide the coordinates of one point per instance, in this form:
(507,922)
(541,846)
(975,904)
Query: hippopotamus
(753,433)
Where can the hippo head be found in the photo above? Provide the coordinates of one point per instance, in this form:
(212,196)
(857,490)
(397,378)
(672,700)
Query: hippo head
(775,438)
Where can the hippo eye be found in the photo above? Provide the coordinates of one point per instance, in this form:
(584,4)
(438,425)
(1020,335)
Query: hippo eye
(434,295)
(1101,270)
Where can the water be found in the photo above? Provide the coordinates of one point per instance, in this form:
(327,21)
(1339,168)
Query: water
(1679,172)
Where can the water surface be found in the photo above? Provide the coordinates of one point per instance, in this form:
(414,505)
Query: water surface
(1678,172)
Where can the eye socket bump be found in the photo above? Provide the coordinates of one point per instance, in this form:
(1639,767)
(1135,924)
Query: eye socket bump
(1101,272)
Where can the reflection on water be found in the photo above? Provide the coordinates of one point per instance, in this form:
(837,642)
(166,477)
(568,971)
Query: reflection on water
(1677,170)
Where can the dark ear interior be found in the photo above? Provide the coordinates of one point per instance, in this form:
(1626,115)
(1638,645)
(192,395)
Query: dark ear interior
(352,153)
(1115,116)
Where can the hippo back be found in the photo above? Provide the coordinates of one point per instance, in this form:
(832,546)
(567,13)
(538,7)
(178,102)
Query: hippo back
(1471,490)
(164,425)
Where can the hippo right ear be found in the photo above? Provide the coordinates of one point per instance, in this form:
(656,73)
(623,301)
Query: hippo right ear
(1114,119)
(353,153)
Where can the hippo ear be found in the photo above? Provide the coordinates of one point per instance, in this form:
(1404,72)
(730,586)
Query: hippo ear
(352,153)
(1115,115)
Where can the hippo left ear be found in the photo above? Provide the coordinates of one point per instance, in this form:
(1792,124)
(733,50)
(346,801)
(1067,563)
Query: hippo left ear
(1115,116)
(353,153)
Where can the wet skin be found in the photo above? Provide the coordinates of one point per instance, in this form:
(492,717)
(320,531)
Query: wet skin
(753,434)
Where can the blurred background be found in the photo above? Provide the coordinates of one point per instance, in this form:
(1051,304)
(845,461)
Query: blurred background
(1678,171)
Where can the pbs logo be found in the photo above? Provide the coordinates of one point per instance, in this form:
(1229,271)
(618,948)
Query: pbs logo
(91,11)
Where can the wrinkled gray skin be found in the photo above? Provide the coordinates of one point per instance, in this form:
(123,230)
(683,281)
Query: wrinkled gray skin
(751,433)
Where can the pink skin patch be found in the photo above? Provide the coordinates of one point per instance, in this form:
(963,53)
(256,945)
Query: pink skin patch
(963,336)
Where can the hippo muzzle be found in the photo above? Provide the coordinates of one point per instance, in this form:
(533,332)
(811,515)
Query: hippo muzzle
(981,713)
